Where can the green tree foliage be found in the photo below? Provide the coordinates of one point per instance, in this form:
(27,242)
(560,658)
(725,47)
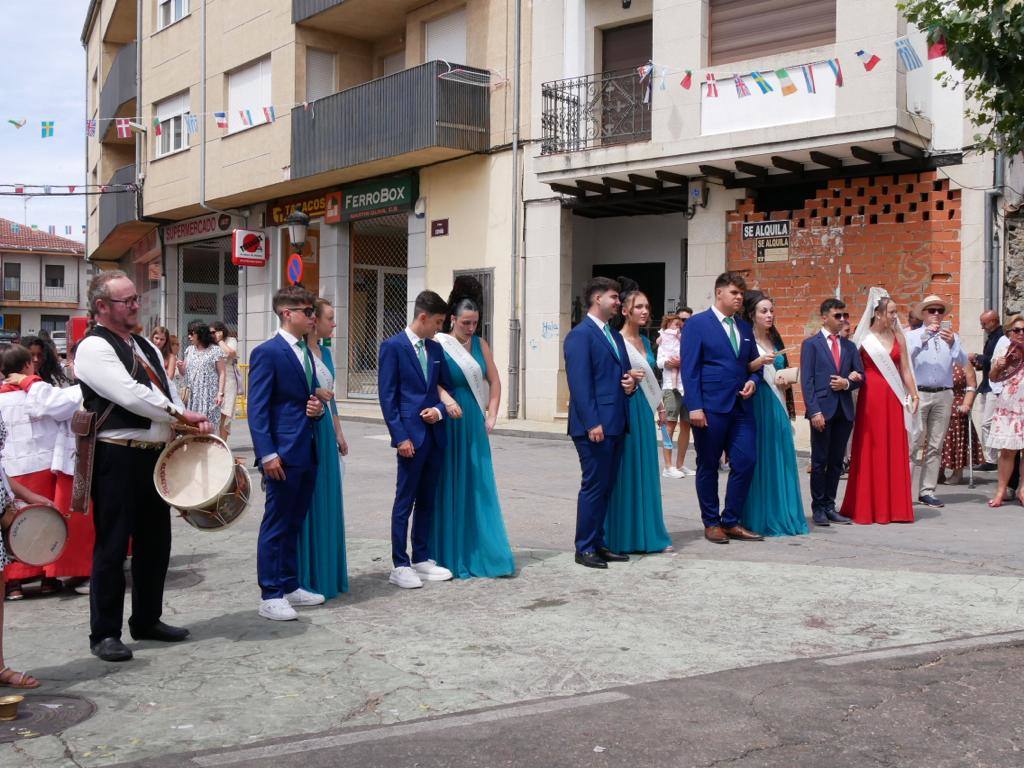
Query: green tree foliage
(985,42)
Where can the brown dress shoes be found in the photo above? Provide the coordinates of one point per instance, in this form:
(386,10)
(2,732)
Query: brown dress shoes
(715,535)
(740,533)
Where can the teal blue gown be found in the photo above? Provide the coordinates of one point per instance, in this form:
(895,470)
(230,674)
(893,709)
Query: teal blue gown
(774,506)
(322,562)
(635,521)
(468,533)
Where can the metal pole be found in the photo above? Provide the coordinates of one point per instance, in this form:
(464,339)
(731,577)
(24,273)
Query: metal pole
(514,326)
(970,449)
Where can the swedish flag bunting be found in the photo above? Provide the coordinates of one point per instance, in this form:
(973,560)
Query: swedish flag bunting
(46,130)
(763,84)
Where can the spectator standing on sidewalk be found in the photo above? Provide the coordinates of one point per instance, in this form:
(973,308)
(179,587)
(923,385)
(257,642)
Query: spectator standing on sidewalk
(988,391)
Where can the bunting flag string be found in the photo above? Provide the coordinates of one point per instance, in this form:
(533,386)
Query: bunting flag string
(869,60)
(937,49)
(712,85)
(785,82)
(191,124)
(687,81)
(908,55)
(16,228)
(741,87)
(837,70)
(18,123)
(47,129)
(808,71)
(761,83)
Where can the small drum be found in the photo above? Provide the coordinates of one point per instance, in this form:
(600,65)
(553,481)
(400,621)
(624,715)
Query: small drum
(37,534)
(198,476)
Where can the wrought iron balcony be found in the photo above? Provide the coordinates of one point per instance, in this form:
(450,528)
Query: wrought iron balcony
(60,292)
(414,113)
(594,111)
(118,92)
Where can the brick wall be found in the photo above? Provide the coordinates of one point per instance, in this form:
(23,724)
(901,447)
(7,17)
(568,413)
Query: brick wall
(901,233)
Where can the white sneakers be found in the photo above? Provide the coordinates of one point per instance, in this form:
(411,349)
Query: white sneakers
(677,472)
(280,608)
(302,597)
(412,577)
(277,609)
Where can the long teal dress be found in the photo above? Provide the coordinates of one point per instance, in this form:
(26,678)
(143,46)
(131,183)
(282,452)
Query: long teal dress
(468,533)
(322,563)
(774,506)
(635,521)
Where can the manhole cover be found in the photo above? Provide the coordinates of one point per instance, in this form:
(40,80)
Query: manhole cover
(44,715)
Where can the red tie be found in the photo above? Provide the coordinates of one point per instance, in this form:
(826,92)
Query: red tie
(834,341)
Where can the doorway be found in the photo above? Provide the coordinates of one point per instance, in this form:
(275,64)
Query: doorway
(626,106)
(379,292)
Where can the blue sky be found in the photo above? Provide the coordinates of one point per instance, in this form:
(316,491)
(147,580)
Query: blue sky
(43,78)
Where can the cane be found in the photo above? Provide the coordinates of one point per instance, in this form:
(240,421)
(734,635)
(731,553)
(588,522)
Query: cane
(970,451)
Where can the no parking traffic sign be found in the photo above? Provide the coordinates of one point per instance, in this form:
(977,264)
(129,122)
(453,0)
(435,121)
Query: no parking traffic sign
(295,268)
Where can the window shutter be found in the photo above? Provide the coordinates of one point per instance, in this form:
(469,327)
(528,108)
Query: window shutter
(248,88)
(395,63)
(747,29)
(168,108)
(446,38)
(320,69)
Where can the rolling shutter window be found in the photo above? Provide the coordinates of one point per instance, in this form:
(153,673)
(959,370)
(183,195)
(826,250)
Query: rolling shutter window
(747,29)
(446,38)
(320,69)
(248,90)
(394,63)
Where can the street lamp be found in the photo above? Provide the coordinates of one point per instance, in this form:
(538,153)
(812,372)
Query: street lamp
(298,223)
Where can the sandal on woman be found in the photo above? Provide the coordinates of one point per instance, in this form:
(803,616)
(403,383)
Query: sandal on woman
(13,591)
(11,679)
(49,585)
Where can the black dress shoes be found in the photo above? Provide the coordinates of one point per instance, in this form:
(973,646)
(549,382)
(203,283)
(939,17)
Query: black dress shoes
(820,518)
(165,633)
(610,557)
(111,649)
(838,519)
(986,466)
(590,560)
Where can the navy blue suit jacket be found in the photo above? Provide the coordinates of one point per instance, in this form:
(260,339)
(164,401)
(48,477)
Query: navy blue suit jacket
(817,366)
(403,392)
(712,373)
(595,375)
(277,404)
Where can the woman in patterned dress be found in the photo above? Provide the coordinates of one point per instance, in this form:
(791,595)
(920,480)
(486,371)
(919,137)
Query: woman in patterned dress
(9,490)
(954,449)
(204,371)
(1007,433)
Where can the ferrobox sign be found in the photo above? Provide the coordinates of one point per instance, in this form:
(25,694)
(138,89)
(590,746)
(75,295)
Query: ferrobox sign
(377,197)
(248,248)
(771,239)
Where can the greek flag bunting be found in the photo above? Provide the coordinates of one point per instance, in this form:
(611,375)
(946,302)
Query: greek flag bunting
(763,84)
(191,124)
(908,55)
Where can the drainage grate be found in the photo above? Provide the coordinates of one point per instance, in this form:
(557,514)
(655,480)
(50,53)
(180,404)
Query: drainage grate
(40,715)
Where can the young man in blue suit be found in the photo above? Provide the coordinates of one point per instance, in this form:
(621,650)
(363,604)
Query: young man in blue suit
(715,355)
(282,407)
(597,369)
(411,368)
(830,369)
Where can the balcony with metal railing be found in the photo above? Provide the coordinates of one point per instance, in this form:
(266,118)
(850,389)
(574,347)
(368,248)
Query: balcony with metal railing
(595,110)
(51,292)
(410,118)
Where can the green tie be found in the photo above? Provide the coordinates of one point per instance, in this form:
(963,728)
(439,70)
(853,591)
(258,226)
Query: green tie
(733,338)
(608,335)
(307,363)
(421,353)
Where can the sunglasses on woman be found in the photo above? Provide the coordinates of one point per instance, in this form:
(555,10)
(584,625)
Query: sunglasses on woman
(1017,330)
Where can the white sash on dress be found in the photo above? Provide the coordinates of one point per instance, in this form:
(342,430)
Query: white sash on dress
(649,385)
(891,374)
(470,368)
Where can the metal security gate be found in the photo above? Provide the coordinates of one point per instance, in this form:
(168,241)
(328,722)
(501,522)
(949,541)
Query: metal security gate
(377,307)
(208,287)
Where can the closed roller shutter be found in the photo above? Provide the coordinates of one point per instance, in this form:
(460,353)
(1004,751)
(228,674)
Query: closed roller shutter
(446,38)
(746,29)
(320,69)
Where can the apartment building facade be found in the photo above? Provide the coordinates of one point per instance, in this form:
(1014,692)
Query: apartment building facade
(821,184)
(44,280)
(389,124)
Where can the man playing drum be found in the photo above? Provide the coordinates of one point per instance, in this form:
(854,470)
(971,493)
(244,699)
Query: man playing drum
(124,384)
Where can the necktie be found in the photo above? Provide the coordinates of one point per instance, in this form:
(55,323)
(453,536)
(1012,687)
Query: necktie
(733,338)
(834,341)
(421,353)
(307,363)
(608,335)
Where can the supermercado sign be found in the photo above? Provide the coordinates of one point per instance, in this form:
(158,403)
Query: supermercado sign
(378,197)
(200,228)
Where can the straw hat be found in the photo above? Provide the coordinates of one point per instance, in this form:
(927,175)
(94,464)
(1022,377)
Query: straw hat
(930,301)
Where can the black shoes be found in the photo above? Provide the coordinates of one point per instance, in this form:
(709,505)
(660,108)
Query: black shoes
(931,501)
(165,633)
(590,560)
(835,517)
(111,649)
(610,557)
(986,466)
(820,518)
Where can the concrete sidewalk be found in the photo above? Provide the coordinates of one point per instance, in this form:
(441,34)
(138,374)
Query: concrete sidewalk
(379,655)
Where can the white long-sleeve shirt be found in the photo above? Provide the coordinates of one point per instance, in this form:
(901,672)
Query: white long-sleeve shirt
(38,435)
(97,364)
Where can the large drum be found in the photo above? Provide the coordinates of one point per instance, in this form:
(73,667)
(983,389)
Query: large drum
(37,534)
(198,476)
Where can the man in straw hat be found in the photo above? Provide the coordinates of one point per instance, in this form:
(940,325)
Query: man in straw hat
(934,350)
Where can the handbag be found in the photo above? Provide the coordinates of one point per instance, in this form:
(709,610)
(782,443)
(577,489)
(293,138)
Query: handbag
(84,426)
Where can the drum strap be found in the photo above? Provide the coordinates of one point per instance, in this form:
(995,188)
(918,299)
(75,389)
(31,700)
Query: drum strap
(152,374)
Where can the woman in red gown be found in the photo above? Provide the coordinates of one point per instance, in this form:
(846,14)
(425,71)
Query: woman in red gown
(878,489)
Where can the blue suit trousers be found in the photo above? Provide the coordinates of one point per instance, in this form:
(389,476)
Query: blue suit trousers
(599,463)
(277,561)
(734,433)
(414,497)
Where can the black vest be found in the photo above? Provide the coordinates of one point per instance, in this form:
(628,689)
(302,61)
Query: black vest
(119,417)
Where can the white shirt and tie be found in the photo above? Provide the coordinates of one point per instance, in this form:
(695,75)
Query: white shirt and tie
(728,324)
(301,351)
(835,346)
(419,346)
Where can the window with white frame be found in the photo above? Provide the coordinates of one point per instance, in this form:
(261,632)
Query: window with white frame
(170,115)
(170,11)
(249,96)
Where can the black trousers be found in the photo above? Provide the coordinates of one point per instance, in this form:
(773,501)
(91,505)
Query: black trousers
(828,451)
(126,505)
